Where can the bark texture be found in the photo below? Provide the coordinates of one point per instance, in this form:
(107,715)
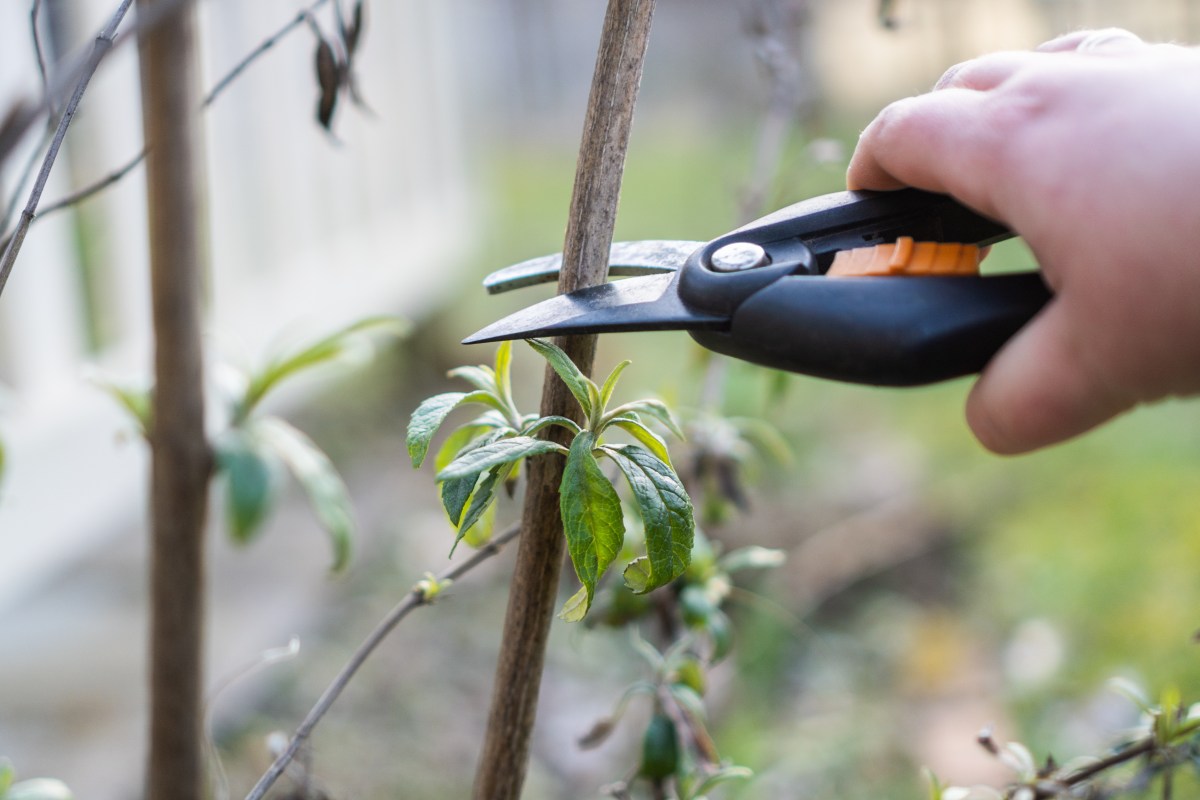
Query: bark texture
(532,596)
(181,460)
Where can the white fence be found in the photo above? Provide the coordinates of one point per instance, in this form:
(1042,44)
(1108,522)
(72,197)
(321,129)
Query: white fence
(307,232)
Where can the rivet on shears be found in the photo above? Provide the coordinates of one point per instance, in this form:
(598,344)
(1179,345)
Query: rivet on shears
(738,256)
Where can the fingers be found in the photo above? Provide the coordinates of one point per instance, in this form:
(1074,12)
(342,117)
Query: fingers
(1041,389)
(943,142)
(989,71)
(1103,41)
(986,72)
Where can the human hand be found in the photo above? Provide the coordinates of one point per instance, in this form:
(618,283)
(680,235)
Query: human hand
(1089,148)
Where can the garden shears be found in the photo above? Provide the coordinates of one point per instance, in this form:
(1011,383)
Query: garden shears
(866,287)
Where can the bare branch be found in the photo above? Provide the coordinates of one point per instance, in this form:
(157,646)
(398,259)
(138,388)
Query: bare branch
(100,48)
(774,27)
(221,85)
(413,600)
(532,596)
(26,172)
(24,113)
(91,189)
(36,34)
(263,47)
(181,458)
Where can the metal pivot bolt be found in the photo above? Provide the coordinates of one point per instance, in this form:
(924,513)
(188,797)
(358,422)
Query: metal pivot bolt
(738,256)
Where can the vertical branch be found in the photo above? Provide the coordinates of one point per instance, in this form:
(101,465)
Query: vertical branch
(532,595)
(774,27)
(181,459)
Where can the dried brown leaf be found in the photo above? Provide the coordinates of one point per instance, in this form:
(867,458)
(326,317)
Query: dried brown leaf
(329,80)
(353,32)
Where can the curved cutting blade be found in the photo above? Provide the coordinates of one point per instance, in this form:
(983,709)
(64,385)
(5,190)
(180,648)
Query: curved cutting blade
(649,257)
(649,303)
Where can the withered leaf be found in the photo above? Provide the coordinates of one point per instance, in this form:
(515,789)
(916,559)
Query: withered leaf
(328,81)
(598,734)
(352,32)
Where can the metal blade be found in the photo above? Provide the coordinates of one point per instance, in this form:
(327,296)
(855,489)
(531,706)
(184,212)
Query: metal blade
(649,303)
(624,258)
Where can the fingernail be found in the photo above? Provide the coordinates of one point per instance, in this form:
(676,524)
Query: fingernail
(947,77)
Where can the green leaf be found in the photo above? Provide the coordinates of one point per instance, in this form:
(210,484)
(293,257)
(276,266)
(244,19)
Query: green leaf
(7,775)
(765,438)
(666,512)
(455,494)
(638,575)
(610,383)
(135,400)
(652,408)
(660,748)
(39,789)
(338,346)
(576,607)
(482,499)
(722,775)
(544,422)
(591,515)
(425,421)
(752,557)
(317,477)
(457,491)
(249,472)
(481,532)
(481,377)
(458,442)
(503,369)
(432,412)
(689,700)
(502,451)
(648,438)
(583,390)
(935,783)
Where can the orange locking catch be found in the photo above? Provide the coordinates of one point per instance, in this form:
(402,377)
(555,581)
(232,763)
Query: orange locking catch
(907,257)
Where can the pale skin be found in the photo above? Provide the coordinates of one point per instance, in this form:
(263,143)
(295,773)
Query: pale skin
(1088,148)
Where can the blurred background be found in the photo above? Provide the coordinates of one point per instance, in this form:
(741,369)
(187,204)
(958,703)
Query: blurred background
(930,589)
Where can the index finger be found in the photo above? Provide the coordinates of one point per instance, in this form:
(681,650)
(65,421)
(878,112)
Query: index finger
(942,142)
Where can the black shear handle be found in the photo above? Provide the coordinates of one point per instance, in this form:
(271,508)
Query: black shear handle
(888,331)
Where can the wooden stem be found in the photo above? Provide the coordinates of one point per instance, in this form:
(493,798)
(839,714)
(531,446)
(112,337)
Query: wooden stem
(182,462)
(533,593)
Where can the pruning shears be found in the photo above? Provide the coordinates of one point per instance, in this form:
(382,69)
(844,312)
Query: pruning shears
(867,287)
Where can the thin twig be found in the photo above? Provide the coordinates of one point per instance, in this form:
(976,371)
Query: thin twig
(116,175)
(102,45)
(1136,750)
(26,172)
(34,13)
(771,25)
(413,600)
(80,195)
(263,47)
(24,113)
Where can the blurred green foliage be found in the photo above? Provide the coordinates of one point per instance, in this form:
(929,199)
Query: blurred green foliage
(1096,538)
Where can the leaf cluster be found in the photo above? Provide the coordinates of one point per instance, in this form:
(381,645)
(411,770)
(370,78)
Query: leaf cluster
(1167,740)
(679,758)
(486,453)
(254,449)
(722,447)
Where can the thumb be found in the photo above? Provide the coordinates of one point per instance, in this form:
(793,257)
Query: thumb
(1043,387)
